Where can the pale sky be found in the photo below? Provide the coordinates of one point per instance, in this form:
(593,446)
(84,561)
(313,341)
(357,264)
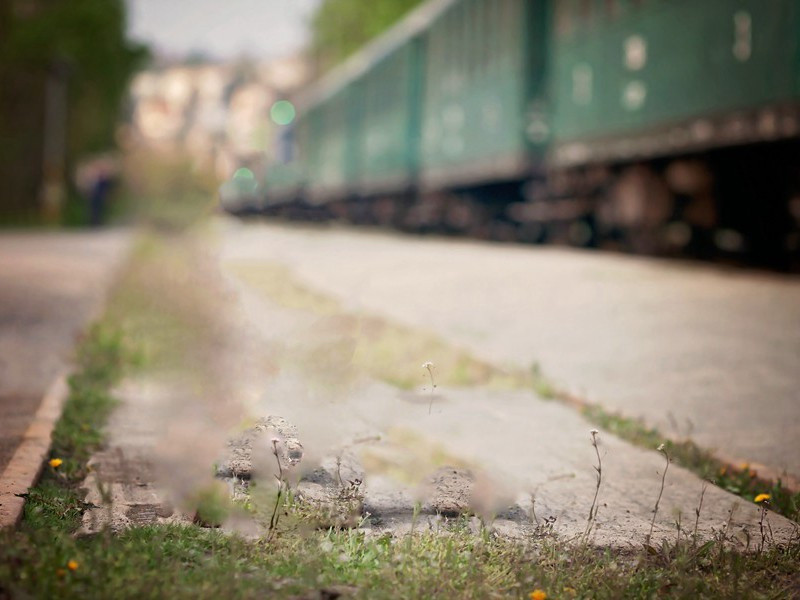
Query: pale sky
(221,28)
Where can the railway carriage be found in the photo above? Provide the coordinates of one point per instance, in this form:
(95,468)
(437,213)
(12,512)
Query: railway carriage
(637,79)
(479,81)
(649,124)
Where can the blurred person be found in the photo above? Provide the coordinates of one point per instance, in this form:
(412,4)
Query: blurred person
(95,177)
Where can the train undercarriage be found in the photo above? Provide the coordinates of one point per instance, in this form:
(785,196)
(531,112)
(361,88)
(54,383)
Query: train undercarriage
(738,204)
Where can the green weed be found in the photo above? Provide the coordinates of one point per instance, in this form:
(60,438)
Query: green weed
(739,480)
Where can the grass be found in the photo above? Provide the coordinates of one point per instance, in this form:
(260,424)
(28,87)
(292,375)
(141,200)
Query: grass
(56,504)
(191,562)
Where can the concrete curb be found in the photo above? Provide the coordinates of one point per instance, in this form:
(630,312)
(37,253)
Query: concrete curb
(25,467)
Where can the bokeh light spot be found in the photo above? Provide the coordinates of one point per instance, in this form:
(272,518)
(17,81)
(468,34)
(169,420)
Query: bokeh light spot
(282,112)
(243,173)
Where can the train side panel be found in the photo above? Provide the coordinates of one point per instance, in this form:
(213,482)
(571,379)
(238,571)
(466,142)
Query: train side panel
(474,97)
(623,68)
(389,136)
(332,155)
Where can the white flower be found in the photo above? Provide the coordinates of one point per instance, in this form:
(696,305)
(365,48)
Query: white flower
(427,365)
(660,448)
(594,432)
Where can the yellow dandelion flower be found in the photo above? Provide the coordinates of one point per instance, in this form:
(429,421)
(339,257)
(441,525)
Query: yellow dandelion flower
(744,466)
(762,497)
(72,565)
(55,462)
(537,595)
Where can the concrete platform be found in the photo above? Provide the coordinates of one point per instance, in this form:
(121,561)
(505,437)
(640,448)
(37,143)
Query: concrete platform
(698,351)
(515,445)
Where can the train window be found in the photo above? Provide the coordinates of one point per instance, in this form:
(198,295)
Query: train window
(743,35)
(634,95)
(635,51)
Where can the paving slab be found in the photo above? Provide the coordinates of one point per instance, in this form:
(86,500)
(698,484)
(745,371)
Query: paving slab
(51,285)
(698,351)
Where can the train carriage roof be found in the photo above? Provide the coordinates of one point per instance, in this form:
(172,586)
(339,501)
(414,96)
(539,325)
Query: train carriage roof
(365,59)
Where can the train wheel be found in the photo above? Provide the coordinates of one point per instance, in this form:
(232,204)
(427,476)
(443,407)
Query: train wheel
(639,205)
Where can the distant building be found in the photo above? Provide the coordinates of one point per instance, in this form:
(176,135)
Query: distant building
(218,114)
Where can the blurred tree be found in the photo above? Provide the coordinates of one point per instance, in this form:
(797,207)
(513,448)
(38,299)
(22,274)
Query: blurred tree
(340,27)
(64,69)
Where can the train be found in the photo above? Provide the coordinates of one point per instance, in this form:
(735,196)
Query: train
(655,126)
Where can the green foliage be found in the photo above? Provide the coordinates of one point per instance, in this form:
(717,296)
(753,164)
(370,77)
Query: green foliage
(340,27)
(79,431)
(79,42)
(55,504)
(85,41)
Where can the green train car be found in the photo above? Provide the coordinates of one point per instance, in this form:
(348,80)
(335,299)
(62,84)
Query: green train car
(653,125)
(665,76)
